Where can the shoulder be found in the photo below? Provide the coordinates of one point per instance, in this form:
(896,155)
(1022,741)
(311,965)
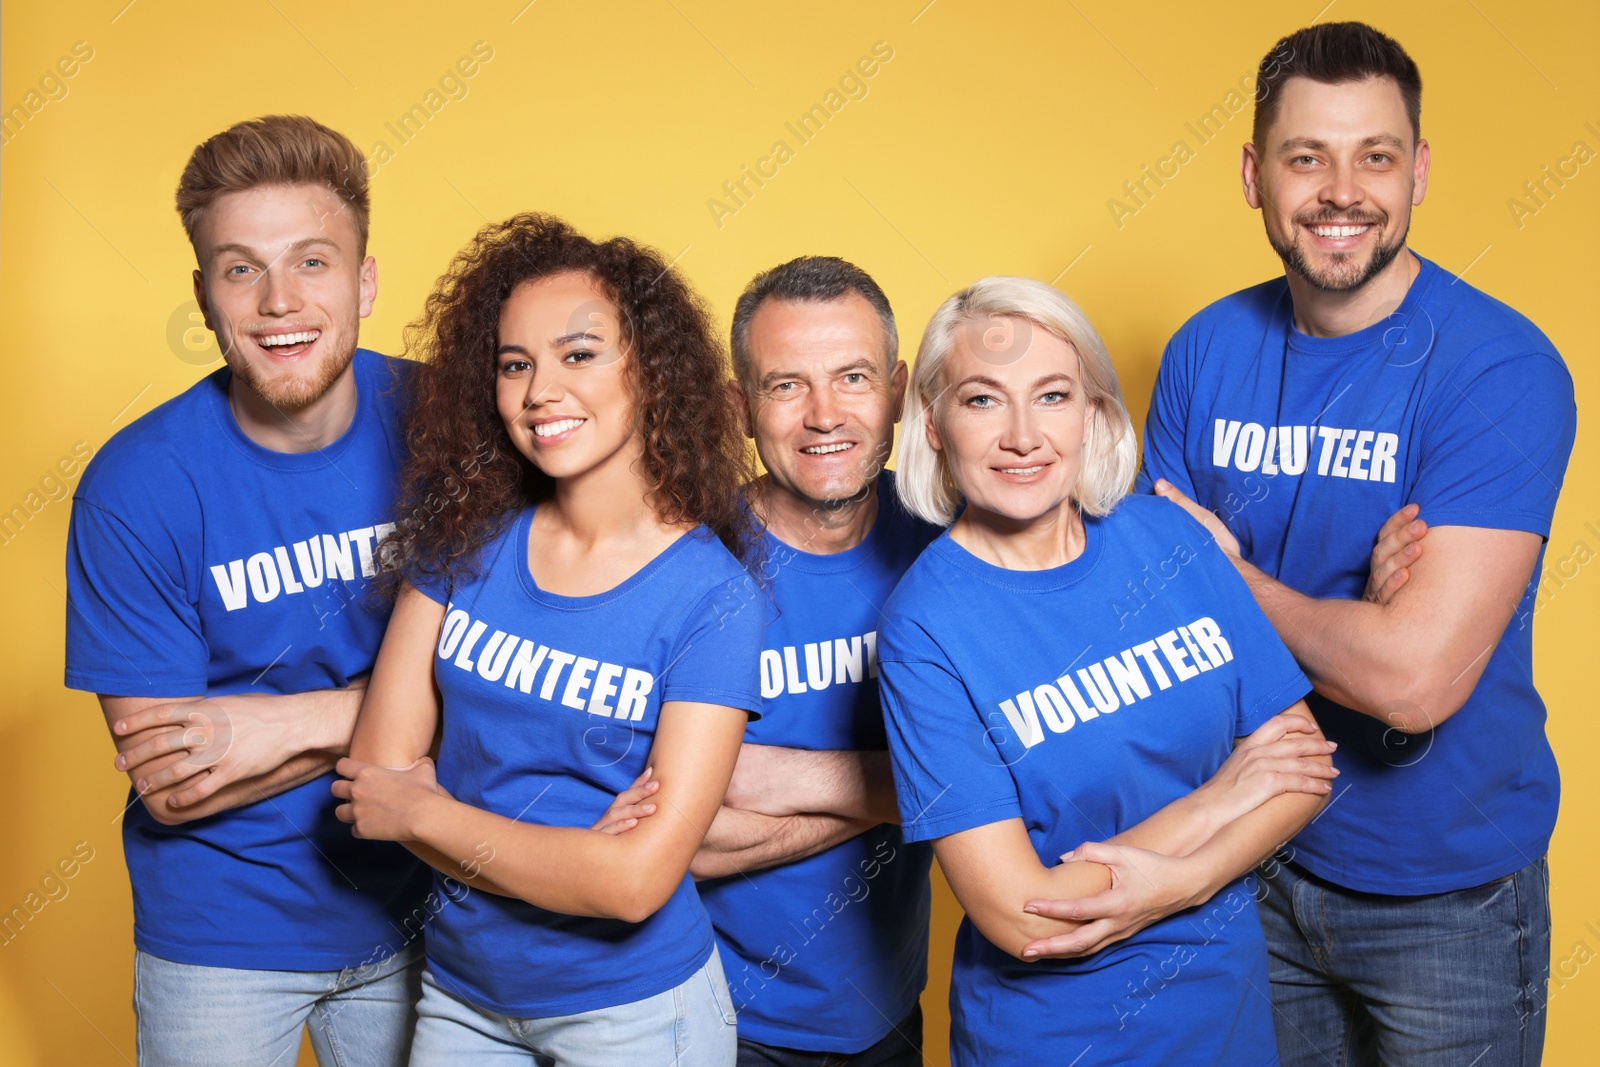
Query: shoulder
(155,453)
(1472,333)
(1246,308)
(393,380)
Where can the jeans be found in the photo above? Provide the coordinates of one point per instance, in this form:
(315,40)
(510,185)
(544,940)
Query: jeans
(1447,979)
(195,1016)
(900,1047)
(691,1025)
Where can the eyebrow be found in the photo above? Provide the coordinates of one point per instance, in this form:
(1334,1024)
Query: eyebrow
(861,363)
(298,246)
(1377,140)
(992,383)
(563,339)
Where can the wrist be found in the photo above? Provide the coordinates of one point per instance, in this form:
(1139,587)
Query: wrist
(422,819)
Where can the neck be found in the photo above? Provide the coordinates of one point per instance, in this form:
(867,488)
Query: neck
(608,502)
(1053,539)
(1318,313)
(820,529)
(307,429)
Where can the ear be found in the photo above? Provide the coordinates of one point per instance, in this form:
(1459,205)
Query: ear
(1250,175)
(741,404)
(930,427)
(200,298)
(1419,172)
(897,387)
(369,285)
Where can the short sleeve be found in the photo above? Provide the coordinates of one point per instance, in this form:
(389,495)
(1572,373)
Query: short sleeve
(1166,423)
(1269,679)
(1495,451)
(948,775)
(717,659)
(132,629)
(436,587)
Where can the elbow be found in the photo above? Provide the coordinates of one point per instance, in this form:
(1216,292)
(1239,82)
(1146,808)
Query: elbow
(1427,698)
(636,899)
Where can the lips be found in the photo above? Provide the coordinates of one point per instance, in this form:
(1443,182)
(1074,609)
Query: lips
(830,448)
(554,430)
(287,344)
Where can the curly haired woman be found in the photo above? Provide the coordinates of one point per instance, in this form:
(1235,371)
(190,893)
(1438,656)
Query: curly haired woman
(571,619)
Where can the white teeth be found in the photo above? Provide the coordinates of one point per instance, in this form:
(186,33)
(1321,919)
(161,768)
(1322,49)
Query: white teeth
(550,429)
(279,339)
(824,450)
(1340,231)
(1022,470)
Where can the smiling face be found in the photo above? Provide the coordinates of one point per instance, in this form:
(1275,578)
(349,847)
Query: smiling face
(1012,431)
(825,401)
(1336,177)
(283,285)
(561,389)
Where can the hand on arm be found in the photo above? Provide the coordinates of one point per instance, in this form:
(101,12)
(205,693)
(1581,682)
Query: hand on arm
(1275,782)
(189,758)
(774,780)
(626,876)
(1412,660)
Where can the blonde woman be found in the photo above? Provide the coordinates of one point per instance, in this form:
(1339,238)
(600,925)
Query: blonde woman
(1065,673)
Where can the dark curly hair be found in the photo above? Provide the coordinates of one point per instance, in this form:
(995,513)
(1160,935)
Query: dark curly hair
(464,478)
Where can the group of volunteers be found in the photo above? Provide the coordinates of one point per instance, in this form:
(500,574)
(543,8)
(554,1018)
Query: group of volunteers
(493,706)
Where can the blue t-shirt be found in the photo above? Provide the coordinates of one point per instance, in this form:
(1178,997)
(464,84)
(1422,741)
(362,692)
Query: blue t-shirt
(200,563)
(1027,694)
(828,953)
(1305,445)
(550,710)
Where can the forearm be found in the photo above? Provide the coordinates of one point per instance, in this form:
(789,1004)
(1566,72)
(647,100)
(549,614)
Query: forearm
(742,841)
(297,771)
(1353,651)
(775,780)
(468,872)
(1250,839)
(562,869)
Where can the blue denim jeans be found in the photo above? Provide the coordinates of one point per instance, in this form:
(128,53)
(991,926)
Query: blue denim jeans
(194,1016)
(900,1047)
(691,1025)
(1444,980)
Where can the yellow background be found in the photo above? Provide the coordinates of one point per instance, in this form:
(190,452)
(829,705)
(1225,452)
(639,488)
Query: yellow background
(990,143)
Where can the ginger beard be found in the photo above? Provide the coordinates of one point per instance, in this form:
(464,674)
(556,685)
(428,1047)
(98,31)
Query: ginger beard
(287,391)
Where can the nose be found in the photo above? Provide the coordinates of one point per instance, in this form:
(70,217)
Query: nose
(545,385)
(823,413)
(1342,188)
(1021,432)
(278,291)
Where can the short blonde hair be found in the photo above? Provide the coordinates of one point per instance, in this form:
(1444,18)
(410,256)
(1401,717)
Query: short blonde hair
(274,150)
(1111,453)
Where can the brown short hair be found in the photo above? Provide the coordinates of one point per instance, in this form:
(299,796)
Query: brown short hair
(1334,53)
(274,150)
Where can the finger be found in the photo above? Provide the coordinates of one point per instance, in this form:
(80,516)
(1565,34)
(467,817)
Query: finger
(1392,586)
(1081,909)
(345,813)
(644,776)
(347,767)
(618,827)
(1095,852)
(204,786)
(1290,747)
(168,775)
(161,743)
(1397,520)
(341,789)
(636,793)
(147,718)
(1080,942)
